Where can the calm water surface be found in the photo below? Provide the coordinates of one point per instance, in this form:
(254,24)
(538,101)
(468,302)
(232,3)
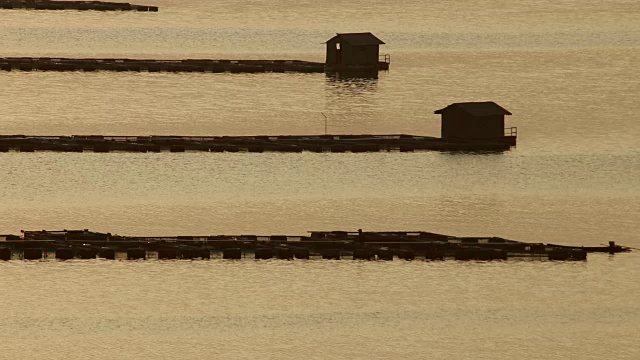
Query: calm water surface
(567,71)
(321,309)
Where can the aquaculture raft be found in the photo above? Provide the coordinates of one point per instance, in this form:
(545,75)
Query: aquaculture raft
(157,65)
(74,5)
(336,245)
(254,144)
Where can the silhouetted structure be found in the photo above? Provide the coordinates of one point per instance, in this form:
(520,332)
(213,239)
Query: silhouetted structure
(250,144)
(476,121)
(74,5)
(355,51)
(158,65)
(407,245)
(232,253)
(5,254)
(355,55)
(32,254)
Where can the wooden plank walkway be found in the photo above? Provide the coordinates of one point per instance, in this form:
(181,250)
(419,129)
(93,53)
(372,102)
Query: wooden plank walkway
(74,5)
(157,65)
(251,144)
(85,244)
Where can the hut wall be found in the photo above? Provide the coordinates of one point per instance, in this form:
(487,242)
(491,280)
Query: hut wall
(458,125)
(351,55)
(492,127)
(332,52)
(360,55)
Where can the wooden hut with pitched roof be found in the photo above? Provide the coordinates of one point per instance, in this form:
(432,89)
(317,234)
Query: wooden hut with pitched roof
(355,51)
(476,121)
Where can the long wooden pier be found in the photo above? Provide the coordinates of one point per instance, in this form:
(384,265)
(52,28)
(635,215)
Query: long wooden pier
(158,65)
(251,144)
(74,5)
(336,245)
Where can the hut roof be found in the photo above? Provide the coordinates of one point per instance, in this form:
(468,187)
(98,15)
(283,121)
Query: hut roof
(485,108)
(358,39)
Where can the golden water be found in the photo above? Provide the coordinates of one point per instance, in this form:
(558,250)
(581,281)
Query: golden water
(567,71)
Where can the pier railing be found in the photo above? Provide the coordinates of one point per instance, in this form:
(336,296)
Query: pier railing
(383,62)
(511,131)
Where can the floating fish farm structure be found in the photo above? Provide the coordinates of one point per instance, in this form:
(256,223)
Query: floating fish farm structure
(332,245)
(360,56)
(469,126)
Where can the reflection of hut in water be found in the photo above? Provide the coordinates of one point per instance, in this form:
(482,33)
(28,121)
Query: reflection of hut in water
(353,77)
(355,52)
(476,121)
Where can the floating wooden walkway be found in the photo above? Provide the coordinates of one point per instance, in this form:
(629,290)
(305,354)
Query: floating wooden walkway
(74,5)
(252,144)
(336,245)
(154,65)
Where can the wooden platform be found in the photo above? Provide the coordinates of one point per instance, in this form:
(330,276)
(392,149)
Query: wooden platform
(251,144)
(407,245)
(74,5)
(155,65)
